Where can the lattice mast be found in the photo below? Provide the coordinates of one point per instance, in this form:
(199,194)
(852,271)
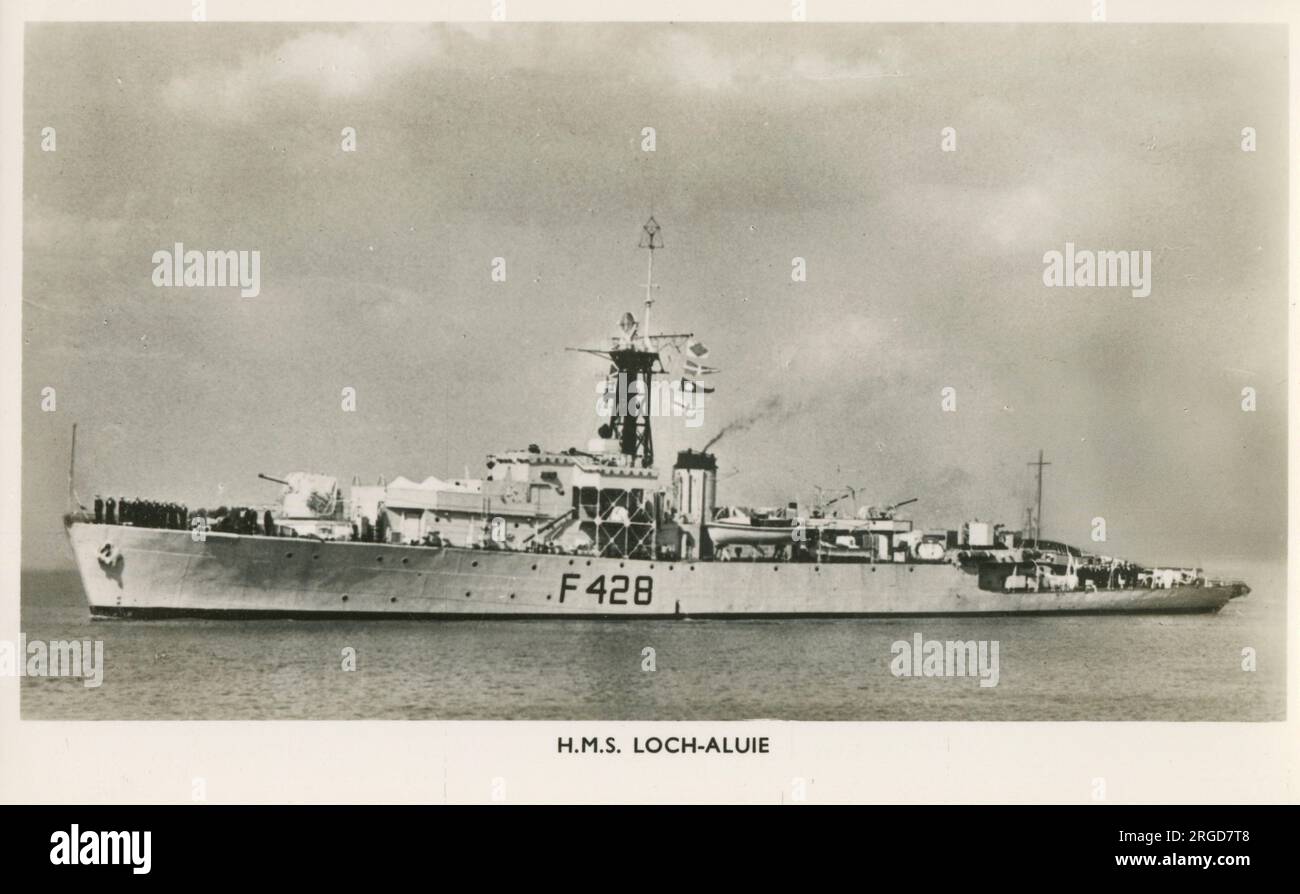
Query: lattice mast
(634,362)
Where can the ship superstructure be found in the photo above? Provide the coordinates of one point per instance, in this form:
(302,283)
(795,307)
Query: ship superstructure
(596,532)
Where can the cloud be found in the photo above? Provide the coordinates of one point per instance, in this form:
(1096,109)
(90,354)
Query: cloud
(326,64)
(1018,216)
(56,230)
(999,219)
(698,59)
(691,59)
(813,67)
(346,63)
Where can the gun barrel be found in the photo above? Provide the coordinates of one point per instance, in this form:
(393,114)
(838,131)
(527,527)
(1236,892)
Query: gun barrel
(269,478)
(905,503)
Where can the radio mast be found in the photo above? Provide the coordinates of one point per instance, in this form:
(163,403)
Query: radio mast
(1038,521)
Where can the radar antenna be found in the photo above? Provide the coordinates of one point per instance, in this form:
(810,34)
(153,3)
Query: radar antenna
(651,239)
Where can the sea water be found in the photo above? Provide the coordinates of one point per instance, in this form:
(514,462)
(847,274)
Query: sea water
(1078,667)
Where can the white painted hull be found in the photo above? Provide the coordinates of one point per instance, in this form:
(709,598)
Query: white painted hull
(166,573)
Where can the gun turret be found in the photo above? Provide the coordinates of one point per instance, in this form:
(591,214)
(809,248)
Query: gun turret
(269,478)
(888,511)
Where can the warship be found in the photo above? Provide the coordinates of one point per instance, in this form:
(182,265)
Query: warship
(594,533)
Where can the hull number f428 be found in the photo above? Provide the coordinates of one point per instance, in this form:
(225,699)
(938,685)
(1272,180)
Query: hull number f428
(618,589)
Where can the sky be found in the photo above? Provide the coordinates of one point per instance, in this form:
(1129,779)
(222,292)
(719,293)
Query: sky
(772,142)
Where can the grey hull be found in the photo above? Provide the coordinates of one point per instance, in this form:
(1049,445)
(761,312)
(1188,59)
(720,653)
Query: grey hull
(153,573)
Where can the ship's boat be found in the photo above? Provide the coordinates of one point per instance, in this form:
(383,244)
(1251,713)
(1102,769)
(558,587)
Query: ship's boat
(741,529)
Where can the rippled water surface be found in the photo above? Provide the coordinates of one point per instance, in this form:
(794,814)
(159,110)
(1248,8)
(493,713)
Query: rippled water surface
(1116,667)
